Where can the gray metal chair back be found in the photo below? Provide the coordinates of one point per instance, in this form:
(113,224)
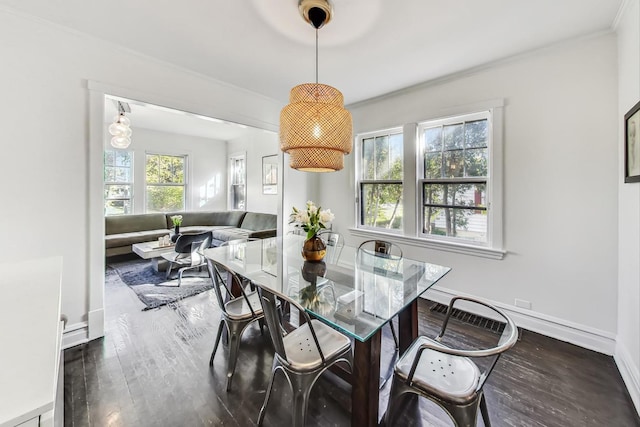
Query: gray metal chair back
(390,256)
(334,242)
(298,231)
(302,354)
(238,312)
(237,241)
(188,253)
(387,251)
(449,376)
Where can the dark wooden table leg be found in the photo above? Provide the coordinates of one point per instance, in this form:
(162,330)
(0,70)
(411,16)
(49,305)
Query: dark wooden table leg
(235,286)
(408,326)
(366,382)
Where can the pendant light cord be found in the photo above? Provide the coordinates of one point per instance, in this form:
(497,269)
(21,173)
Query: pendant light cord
(316,56)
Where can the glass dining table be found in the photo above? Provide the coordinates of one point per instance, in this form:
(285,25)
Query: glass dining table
(354,291)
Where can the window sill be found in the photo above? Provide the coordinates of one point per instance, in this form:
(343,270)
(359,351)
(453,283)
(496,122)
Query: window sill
(458,248)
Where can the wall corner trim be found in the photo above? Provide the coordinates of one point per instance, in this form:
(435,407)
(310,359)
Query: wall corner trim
(630,373)
(95,324)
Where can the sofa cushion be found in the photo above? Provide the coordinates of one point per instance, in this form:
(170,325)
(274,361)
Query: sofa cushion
(230,234)
(228,218)
(263,234)
(194,229)
(128,239)
(133,223)
(259,221)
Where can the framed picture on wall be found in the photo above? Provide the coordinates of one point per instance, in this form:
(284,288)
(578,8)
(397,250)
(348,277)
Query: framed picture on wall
(270,174)
(632,144)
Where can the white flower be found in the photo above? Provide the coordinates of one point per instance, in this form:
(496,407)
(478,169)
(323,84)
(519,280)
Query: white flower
(302,217)
(312,219)
(326,216)
(311,207)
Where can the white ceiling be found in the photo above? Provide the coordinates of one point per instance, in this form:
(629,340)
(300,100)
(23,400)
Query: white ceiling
(148,116)
(370,48)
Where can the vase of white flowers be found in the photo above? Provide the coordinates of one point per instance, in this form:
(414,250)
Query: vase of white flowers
(312,220)
(314,249)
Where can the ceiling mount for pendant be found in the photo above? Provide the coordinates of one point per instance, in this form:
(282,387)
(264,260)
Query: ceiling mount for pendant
(315,12)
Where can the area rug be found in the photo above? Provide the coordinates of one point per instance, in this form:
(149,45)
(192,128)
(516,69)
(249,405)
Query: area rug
(152,287)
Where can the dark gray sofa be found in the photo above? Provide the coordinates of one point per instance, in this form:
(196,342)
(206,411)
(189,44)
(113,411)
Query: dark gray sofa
(123,231)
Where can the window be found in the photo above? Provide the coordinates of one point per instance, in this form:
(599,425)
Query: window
(118,182)
(453,186)
(165,182)
(435,184)
(238,178)
(380,180)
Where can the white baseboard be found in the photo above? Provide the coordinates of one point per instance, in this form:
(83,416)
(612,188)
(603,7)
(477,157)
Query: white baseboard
(563,330)
(80,333)
(74,335)
(630,373)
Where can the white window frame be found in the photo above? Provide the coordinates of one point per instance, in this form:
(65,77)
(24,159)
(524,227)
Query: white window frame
(184,184)
(360,181)
(483,115)
(130,183)
(412,206)
(233,158)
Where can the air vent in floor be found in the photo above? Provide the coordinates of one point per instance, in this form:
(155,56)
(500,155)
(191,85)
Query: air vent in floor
(473,319)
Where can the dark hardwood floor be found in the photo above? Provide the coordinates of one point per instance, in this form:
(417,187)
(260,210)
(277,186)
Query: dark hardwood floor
(152,369)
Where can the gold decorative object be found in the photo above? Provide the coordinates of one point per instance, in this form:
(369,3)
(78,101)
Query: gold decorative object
(314,249)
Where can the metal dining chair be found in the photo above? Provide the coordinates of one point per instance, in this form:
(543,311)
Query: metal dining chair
(188,253)
(383,249)
(240,240)
(392,255)
(238,312)
(334,242)
(298,231)
(302,355)
(448,376)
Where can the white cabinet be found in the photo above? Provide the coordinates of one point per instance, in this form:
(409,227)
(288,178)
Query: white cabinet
(30,361)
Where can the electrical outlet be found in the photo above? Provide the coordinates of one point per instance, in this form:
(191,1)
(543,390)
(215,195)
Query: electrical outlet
(523,304)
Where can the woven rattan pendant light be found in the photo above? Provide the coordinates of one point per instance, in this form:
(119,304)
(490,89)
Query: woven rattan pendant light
(315,128)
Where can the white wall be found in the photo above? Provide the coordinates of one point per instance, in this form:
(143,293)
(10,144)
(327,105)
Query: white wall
(627,353)
(560,176)
(256,145)
(206,166)
(46,139)
(299,187)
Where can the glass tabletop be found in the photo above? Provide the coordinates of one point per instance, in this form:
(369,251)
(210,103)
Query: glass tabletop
(355,291)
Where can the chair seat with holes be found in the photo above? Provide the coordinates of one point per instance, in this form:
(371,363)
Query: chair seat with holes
(302,352)
(440,374)
(302,355)
(448,376)
(238,312)
(238,309)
